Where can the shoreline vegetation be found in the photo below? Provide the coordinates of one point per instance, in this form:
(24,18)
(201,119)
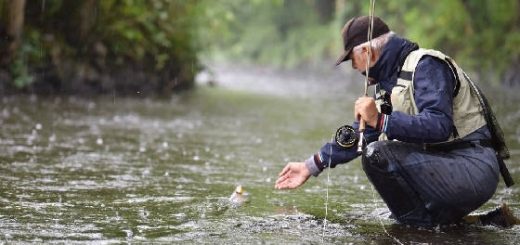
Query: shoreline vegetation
(97,47)
(157,47)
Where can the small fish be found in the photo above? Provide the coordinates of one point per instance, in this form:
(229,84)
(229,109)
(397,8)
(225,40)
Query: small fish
(239,197)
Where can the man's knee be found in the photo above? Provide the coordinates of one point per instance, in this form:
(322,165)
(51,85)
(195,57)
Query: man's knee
(373,157)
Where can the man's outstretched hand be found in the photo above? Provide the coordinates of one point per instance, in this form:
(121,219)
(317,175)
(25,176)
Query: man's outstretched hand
(293,175)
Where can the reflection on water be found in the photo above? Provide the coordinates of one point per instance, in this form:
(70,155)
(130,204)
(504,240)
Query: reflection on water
(121,169)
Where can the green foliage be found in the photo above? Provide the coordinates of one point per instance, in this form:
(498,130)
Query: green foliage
(20,73)
(158,28)
(166,37)
(275,32)
(70,37)
(482,35)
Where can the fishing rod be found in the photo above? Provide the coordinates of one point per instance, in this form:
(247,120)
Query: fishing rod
(362,123)
(340,134)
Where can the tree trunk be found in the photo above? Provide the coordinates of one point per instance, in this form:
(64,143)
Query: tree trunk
(511,77)
(13,30)
(325,9)
(88,15)
(81,17)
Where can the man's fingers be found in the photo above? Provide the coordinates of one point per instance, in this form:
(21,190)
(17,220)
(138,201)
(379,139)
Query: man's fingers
(284,184)
(357,116)
(281,179)
(284,170)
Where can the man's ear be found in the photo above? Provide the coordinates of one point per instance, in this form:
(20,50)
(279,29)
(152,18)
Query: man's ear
(373,56)
(370,51)
(364,49)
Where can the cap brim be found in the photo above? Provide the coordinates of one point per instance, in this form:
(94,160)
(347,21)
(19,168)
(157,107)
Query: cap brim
(344,57)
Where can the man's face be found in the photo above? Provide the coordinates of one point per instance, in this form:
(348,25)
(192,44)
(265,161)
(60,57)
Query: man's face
(358,56)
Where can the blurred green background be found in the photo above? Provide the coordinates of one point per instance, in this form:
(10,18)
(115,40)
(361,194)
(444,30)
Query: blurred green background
(158,46)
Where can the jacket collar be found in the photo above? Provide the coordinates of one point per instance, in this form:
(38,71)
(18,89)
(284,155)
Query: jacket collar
(389,64)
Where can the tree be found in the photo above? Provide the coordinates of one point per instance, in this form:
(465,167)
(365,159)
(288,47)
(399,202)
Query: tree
(11,30)
(325,9)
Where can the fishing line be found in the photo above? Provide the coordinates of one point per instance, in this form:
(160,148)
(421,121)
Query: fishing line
(327,189)
(380,219)
(361,135)
(369,55)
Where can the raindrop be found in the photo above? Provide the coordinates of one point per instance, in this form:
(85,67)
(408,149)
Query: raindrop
(32,137)
(264,169)
(38,126)
(143,213)
(52,138)
(91,105)
(196,158)
(165,144)
(166,173)
(180,216)
(129,233)
(5,113)
(142,149)
(99,141)
(228,157)
(146,172)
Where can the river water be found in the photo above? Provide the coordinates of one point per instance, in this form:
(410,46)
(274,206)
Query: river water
(116,170)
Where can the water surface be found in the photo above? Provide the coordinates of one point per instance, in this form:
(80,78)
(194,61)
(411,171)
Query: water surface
(113,169)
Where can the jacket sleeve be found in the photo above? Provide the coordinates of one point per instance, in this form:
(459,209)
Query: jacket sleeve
(331,154)
(433,92)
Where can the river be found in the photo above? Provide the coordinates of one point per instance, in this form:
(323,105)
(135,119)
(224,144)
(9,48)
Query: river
(114,170)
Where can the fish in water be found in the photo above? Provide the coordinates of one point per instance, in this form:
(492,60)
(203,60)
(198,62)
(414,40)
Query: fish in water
(239,197)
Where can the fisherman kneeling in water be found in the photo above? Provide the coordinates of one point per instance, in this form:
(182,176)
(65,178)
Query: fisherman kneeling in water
(434,150)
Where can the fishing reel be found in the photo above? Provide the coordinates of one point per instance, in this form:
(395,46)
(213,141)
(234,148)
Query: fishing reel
(346,136)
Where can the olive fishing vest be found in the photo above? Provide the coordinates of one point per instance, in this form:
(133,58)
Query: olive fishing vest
(467,111)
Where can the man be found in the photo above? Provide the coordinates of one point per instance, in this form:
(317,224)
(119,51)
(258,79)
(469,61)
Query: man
(433,149)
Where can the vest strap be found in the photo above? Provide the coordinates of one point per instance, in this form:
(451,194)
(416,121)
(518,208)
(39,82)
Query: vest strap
(406,75)
(457,79)
(456,144)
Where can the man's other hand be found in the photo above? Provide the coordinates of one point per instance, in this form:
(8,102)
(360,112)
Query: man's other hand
(292,176)
(365,108)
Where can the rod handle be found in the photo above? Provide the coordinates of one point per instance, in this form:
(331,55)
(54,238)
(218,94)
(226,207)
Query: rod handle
(361,129)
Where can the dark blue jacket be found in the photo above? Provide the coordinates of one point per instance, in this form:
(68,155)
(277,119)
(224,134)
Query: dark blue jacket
(433,88)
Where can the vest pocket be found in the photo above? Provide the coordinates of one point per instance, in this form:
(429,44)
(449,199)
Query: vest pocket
(402,98)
